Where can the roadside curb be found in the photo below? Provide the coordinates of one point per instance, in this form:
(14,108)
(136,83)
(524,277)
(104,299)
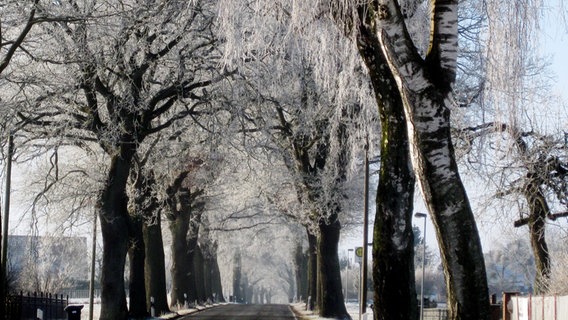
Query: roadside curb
(300,312)
(184,312)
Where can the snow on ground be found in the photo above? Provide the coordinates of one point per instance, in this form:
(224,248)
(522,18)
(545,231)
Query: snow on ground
(97,309)
(352,309)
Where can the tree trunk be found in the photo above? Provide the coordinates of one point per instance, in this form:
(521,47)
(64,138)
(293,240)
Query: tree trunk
(446,199)
(301,270)
(181,266)
(198,274)
(393,240)
(136,257)
(216,285)
(332,302)
(208,277)
(192,248)
(539,210)
(312,270)
(237,279)
(425,88)
(155,268)
(248,291)
(114,218)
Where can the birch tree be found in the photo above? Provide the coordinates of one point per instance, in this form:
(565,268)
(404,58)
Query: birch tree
(424,83)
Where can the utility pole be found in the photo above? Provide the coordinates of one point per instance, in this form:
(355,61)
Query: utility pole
(93,259)
(422,215)
(4,257)
(363,294)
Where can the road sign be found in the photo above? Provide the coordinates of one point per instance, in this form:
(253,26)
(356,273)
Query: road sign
(359,252)
(358,255)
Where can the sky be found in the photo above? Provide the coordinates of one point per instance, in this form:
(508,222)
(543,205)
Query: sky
(555,43)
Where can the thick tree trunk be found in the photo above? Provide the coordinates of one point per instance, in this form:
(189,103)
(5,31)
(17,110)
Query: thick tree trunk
(181,263)
(114,218)
(393,240)
(136,257)
(216,284)
(208,268)
(198,274)
(425,88)
(301,270)
(332,302)
(207,277)
(312,271)
(155,267)
(446,199)
(192,251)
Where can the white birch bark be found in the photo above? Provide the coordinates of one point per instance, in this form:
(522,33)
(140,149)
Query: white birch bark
(425,87)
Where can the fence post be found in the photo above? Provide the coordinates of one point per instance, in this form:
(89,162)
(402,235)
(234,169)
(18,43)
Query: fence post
(507,306)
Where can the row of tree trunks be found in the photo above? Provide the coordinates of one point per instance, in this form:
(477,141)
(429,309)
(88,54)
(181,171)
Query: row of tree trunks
(192,274)
(213,286)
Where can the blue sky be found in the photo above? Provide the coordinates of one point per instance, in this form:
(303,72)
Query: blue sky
(555,44)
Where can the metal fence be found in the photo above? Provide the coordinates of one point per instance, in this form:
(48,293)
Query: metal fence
(435,314)
(443,313)
(82,293)
(35,306)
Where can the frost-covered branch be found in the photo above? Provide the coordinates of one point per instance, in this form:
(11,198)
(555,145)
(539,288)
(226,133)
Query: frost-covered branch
(15,44)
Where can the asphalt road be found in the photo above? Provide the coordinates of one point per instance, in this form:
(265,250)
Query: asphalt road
(244,312)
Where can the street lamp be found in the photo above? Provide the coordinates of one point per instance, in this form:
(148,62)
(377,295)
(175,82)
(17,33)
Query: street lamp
(422,215)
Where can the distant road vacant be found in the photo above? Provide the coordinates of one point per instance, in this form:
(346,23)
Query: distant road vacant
(244,312)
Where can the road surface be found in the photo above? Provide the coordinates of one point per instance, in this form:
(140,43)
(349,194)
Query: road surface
(244,312)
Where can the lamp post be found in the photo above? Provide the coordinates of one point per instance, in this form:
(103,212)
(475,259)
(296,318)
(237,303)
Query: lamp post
(4,227)
(363,279)
(422,215)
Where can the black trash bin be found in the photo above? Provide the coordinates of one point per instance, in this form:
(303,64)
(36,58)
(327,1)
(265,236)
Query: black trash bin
(74,311)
